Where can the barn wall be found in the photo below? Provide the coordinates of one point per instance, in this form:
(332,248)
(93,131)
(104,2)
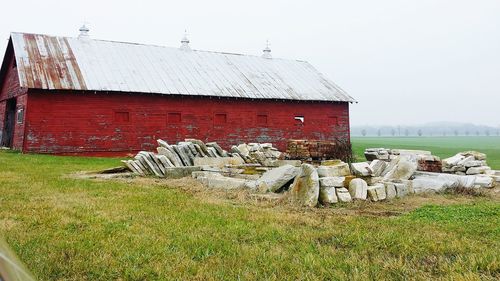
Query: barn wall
(118,123)
(10,88)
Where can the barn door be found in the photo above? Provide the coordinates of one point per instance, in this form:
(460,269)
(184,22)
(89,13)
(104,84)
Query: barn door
(8,130)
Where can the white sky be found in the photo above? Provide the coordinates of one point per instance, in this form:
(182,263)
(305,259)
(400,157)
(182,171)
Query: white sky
(405,61)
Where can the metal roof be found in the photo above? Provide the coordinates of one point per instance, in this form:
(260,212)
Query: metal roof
(64,63)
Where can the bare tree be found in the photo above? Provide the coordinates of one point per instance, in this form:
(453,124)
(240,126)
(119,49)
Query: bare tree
(477,133)
(467,133)
(487,133)
(407,132)
(363,132)
(455,132)
(379,133)
(393,132)
(419,132)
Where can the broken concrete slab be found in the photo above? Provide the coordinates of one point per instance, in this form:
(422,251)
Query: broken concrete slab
(358,189)
(151,167)
(276,178)
(305,188)
(129,164)
(157,162)
(165,161)
(437,182)
(162,143)
(217,148)
(182,155)
(201,144)
(172,156)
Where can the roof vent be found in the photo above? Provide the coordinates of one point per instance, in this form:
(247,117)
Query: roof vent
(185,42)
(84,32)
(267,51)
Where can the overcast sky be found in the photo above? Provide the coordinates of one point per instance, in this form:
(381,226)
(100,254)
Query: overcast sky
(406,62)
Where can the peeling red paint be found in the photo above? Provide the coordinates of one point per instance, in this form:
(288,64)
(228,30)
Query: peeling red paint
(10,89)
(83,123)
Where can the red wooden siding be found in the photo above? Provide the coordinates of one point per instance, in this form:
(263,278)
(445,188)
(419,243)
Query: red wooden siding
(119,123)
(10,88)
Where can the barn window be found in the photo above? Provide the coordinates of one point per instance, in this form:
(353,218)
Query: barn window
(122,116)
(20,115)
(299,119)
(261,119)
(220,118)
(174,118)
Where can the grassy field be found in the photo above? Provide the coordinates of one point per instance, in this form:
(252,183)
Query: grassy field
(441,146)
(67,228)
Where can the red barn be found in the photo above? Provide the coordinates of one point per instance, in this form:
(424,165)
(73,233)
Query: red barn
(66,95)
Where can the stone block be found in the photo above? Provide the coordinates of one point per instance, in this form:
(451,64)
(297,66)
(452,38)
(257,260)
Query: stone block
(376,192)
(477,170)
(332,181)
(401,168)
(358,189)
(361,169)
(180,172)
(339,170)
(327,195)
(305,187)
(390,190)
(276,178)
(217,162)
(343,195)
(378,167)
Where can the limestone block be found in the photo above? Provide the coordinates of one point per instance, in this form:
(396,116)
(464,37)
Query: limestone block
(358,189)
(343,195)
(305,187)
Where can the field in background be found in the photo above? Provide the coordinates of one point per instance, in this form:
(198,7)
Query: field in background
(67,228)
(441,146)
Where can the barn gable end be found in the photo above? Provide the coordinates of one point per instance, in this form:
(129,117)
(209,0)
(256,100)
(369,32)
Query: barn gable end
(12,97)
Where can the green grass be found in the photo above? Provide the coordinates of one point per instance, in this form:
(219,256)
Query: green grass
(75,229)
(441,146)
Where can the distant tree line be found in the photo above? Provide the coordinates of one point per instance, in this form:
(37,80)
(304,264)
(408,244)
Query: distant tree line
(429,130)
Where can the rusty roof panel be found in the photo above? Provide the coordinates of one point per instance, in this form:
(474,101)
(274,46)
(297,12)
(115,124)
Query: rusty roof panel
(48,62)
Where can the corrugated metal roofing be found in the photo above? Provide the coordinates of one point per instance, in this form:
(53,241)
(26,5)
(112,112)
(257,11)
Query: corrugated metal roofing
(64,63)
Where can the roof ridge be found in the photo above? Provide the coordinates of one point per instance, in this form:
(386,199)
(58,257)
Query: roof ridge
(155,45)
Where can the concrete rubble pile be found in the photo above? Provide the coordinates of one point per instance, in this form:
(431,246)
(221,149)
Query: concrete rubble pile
(425,160)
(466,163)
(388,173)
